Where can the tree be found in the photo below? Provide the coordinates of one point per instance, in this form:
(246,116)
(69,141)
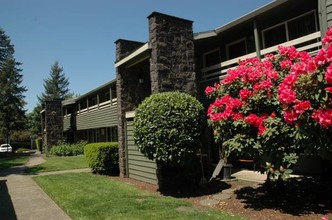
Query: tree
(33,120)
(56,86)
(12,112)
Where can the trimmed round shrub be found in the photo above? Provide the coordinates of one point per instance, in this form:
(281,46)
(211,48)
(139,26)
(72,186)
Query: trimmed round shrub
(167,127)
(103,157)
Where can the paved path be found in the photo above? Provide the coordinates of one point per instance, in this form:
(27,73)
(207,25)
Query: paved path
(22,199)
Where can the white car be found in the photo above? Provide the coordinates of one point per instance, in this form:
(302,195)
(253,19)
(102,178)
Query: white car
(6,148)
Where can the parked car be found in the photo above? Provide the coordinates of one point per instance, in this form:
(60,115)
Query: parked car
(6,148)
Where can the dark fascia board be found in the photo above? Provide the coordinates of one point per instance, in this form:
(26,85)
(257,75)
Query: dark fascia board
(250,15)
(74,100)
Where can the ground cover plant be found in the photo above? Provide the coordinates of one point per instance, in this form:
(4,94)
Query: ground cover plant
(278,108)
(100,197)
(55,163)
(12,159)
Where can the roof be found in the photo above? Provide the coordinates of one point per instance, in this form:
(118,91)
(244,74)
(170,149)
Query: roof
(74,100)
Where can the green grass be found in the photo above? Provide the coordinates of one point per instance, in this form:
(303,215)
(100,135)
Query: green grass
(11,159)
(59,163)
(88,196)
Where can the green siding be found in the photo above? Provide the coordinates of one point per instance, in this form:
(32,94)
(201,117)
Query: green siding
(329,12)
(139,167)
(66,123)
(325,15)
(97,118)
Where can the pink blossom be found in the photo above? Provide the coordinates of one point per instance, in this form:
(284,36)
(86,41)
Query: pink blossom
(290,116)
(285,64)
(323,117)
(328,74)
(301,107)
(328,89)
(209,90)
(254,120)
(245,94)
(328,37)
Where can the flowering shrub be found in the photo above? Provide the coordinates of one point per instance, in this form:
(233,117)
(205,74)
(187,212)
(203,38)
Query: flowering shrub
(275,107)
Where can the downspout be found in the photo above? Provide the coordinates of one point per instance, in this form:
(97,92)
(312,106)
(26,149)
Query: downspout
(257,41)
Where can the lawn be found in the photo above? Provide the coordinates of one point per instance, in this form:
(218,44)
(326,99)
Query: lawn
(54,163)
(12,159)
(89,196)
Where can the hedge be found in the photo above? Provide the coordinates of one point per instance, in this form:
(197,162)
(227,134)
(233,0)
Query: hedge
(103,157)
(167,127)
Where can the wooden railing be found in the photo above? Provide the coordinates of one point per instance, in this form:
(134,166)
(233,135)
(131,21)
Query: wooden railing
(310,43)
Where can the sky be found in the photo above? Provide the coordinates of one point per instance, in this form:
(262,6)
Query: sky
(80,34)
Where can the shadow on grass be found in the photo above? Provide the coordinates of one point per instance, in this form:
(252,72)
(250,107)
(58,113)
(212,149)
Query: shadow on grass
(298,196)
(33,170)
(209,188)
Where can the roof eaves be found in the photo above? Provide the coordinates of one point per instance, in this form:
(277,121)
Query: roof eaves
(250,15)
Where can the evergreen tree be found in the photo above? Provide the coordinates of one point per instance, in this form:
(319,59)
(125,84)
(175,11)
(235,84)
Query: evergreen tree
(33,120)
(56,86)
(12,112)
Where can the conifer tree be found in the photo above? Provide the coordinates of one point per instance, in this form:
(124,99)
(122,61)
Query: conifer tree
(12,112)
(56,86)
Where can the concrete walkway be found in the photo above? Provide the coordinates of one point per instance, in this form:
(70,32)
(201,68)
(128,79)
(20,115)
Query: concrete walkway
(22,199)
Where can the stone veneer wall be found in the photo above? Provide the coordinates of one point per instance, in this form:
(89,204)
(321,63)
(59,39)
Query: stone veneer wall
(171,67)
(52,123)
(172,62)
(130,92)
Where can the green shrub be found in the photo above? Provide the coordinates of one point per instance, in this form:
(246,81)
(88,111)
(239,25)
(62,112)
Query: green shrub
(167,127)
(65,149)
(39,144)
(103,157)
(22,150)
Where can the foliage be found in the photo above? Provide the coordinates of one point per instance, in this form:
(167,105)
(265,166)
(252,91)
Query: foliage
(22,150)
(277,107)
(56,86)
(12,113)
(21,135)
(65,149)
(99,197)
(167,127)
(39,144)
(103,157)
(33,120)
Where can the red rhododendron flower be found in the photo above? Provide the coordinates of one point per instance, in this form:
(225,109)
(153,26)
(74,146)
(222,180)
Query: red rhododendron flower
(254,120)
(285,64)
(328,89)
(286,95)
(323,117)
(261,129)
(290,116)
(320,58)
(301,107)
(328,37)
(209,90)
(328,74)
(245,94)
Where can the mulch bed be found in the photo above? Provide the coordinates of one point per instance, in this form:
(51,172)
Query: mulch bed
(299,198)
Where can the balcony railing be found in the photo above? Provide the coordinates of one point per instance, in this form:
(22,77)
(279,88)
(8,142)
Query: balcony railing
(310,43)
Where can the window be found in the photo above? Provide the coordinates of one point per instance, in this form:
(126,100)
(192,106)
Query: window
(275,36)
(104,96)
(298,27)
(236,49)
(93,101)
(211,58)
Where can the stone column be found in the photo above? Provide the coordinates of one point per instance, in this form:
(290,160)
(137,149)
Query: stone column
(172,62)
(53,123)
(124,100)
